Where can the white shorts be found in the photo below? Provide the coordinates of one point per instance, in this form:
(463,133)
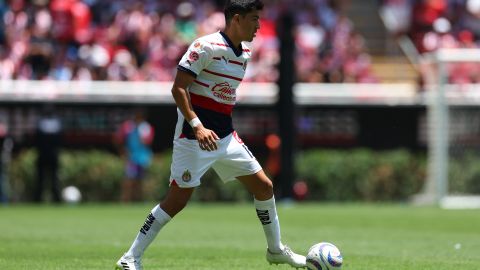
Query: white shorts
(230,160)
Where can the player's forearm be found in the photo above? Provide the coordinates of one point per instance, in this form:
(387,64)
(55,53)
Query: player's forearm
(182,99)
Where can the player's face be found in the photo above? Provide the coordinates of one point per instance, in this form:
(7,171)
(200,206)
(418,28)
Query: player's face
(249,25)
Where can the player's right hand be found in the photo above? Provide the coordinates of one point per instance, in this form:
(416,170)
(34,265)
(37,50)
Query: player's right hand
(207,139)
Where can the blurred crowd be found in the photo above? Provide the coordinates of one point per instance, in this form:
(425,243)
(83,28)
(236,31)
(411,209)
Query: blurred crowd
(434,24)
(328,47)
(144,39)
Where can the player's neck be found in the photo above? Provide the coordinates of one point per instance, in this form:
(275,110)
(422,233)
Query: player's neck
(234,38)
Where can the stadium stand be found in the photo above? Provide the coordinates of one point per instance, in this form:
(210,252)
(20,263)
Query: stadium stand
(143,40)
(424,26)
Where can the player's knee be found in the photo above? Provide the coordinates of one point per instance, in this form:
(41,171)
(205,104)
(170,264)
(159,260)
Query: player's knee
(173,207)
(268,184)
(265,190)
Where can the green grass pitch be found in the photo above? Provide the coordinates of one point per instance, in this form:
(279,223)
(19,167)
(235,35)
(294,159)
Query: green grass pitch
(229,236)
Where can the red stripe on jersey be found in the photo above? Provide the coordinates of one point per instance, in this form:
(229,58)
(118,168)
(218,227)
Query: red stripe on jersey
(246,50)
(210,104)
(202,84)
(235,62)
(219,44)
(222,75)
(217,58)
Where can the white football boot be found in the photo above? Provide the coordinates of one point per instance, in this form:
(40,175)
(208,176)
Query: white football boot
(287,256)
(128,263)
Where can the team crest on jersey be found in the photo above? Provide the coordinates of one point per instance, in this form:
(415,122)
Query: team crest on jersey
(186,176)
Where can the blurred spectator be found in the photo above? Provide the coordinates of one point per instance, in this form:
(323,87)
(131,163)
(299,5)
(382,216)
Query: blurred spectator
(5,149)
(3,134)
(424,14)
(48,143)
(397,16)
(468,17)
(40,52)
(134,138)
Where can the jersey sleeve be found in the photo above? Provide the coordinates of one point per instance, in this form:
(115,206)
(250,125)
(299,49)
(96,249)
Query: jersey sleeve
(198,56)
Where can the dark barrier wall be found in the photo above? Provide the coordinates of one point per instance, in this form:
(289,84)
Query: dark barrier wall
(376,127)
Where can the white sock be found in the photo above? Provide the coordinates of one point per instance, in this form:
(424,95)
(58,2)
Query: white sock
(267,213)
(153,223)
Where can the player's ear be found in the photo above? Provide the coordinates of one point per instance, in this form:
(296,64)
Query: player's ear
(236,18)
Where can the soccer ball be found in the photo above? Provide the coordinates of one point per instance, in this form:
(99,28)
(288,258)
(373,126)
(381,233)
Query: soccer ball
(71,194)
(324,256)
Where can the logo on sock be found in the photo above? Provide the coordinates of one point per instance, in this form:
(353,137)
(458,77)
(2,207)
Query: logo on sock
(264,217)
(148,223)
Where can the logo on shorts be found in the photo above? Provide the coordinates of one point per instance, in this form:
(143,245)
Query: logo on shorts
(186,176)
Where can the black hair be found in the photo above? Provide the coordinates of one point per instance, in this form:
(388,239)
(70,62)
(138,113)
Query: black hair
(241,7)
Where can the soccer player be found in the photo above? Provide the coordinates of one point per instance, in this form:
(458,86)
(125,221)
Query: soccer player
(204,91)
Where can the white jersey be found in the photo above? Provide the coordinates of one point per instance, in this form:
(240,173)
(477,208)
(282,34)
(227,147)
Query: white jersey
(218,68)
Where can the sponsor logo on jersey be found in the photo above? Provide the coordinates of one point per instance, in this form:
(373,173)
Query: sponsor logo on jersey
(196,45)
(148,224)
(224,91)
(186,176)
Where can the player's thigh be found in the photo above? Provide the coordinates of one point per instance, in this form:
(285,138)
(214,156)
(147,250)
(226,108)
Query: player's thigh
(237,161)
(189,163)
